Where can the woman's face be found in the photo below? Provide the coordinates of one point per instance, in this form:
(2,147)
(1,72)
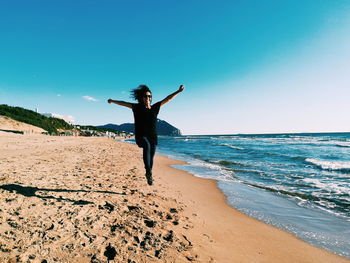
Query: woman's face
(147,98)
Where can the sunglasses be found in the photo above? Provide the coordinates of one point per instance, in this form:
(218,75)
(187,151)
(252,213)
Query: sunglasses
(147,96)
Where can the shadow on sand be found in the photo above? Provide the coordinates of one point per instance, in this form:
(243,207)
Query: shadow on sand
(30,191)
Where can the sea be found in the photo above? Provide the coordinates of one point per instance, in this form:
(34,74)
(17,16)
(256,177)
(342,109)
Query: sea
(297,182)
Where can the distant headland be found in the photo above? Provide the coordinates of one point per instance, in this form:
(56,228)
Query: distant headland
(20,120)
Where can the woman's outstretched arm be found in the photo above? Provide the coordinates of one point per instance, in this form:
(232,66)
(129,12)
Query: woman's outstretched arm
(121,103)
(172,95)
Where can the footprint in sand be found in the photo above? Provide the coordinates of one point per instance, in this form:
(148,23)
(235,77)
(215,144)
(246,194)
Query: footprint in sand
(110,252)
(107,206)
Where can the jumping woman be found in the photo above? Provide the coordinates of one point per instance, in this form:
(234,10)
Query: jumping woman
(145,117)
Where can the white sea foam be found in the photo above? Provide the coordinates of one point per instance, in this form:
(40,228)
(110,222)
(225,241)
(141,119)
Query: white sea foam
(329,186)
(209,170)
(330,165)
(232,146)
(297,140)
(188,140)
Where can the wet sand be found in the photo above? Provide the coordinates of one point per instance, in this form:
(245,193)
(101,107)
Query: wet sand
(76,199)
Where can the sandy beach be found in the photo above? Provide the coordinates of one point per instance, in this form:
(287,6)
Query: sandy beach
(79,199)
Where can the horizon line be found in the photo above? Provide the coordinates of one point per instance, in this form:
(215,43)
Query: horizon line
(272,133)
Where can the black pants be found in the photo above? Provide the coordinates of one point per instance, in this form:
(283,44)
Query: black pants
(149,149)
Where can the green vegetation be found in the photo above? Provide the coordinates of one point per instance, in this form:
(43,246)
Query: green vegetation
(51,125)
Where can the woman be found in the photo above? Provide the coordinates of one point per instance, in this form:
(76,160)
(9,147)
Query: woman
(145,116)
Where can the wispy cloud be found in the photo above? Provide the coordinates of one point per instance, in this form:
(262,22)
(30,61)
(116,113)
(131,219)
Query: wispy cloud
(89,98)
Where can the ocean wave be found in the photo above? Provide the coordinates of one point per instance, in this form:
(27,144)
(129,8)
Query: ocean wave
(231,146)
(189,140)
(343,145)
(328,202)
(226,163)
(300,140)
(298,158)
(330,165)
(247,171)
(328,186)
(282,190)
(212,168)
(186,139)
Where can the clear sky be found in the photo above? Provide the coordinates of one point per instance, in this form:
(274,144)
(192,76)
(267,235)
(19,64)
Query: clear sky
(248,66)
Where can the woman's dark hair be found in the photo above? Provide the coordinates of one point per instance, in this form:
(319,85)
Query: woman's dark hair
(139,92)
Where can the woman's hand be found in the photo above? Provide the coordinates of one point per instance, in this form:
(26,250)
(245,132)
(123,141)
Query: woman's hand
(109,101)
(181,88)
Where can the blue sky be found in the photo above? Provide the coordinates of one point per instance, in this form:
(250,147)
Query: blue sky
(248,66)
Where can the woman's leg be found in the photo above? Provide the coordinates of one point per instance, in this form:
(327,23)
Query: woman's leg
(152,152)
(146,146)
(148,154)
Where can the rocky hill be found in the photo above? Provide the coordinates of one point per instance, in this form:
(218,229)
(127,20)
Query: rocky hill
(163,128)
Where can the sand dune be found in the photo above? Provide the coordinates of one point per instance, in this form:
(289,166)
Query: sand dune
(10,124)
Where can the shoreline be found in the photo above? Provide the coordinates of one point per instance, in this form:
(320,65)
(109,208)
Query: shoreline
(248,239)
(92,203)
(271,180)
